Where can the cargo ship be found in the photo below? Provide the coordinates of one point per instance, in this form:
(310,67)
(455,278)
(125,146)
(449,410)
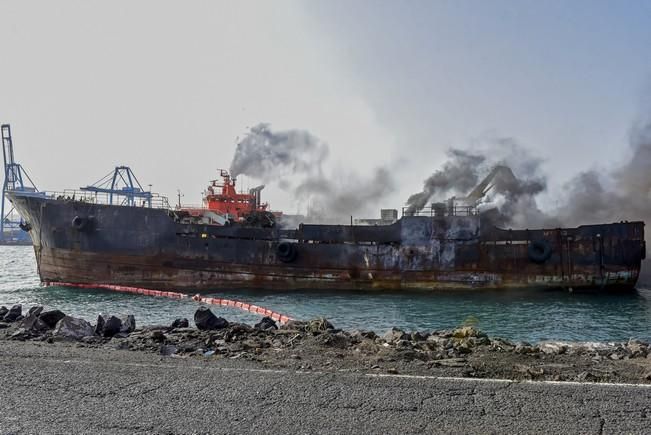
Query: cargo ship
(135,238)
(116,233)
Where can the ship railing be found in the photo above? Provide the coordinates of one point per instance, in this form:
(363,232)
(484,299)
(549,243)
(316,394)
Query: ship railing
(442,211)
(154,200)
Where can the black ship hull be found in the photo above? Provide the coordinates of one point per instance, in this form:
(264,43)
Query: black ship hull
(81,242)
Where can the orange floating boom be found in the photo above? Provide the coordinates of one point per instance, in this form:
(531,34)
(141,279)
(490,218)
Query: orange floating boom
(175,295)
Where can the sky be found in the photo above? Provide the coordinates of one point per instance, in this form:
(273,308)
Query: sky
(168,87)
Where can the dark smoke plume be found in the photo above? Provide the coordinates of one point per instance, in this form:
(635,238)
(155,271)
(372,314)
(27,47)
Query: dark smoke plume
(269,155)
(264,153)
(458,175)
(622,193)
(513,190)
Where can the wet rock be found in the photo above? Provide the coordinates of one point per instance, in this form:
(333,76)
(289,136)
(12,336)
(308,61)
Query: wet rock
(180,323)
(112,326)
(71,327)
(36,310)
(206,320)
(128,324)
(51,317)
(13,314)
(394,334)
(4,325)
(3,310)
(266,324)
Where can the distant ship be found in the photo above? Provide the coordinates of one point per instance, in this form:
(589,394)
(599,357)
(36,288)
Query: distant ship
(134,238)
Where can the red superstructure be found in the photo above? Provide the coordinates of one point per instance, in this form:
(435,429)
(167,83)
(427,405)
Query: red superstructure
(224,199)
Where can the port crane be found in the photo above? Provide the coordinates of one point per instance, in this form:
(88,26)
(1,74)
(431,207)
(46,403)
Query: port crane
(16,178)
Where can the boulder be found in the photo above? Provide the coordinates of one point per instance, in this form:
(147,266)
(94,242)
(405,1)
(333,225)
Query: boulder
(180,323)
(206,320)
(394,335)
(128,324)
(33,323)
(14,313)
(71,327)
(267,323)
(3,310)
(112,326)
(51,318)
(36,310)
(99,326)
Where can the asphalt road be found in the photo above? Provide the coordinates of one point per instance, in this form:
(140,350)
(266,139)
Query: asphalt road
(65,389)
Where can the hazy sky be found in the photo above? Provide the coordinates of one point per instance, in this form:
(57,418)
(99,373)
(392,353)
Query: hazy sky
(167,87)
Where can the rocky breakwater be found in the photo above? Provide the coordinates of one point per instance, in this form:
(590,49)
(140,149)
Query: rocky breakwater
(318,345)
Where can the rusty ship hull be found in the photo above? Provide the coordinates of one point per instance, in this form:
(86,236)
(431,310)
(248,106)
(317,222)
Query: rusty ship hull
(151,248)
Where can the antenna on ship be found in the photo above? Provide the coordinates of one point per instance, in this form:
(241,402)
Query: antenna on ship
(16,180)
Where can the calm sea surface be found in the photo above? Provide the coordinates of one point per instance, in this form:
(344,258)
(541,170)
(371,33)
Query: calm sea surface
(529,316)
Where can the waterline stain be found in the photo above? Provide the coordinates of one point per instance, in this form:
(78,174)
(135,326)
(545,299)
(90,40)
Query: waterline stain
(517,315)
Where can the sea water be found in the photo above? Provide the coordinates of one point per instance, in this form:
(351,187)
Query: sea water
(516,315)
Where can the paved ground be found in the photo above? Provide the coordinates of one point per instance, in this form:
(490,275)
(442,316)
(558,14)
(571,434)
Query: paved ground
(64,389)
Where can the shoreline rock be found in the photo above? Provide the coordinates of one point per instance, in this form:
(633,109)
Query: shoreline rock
(317,344)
